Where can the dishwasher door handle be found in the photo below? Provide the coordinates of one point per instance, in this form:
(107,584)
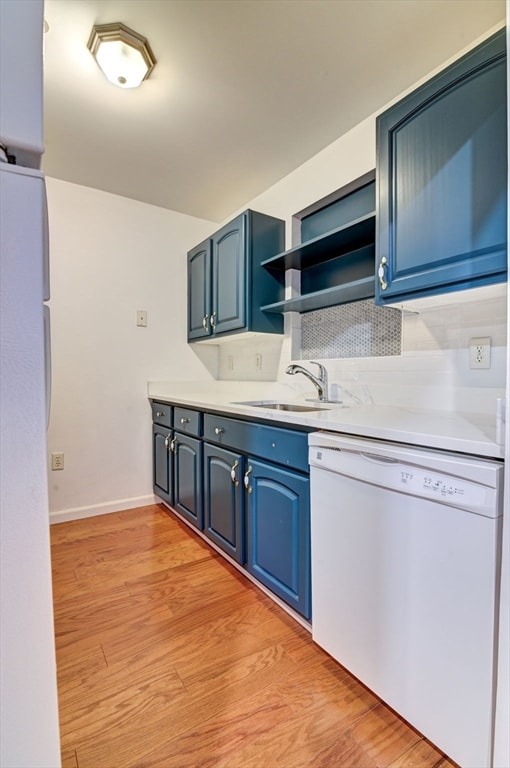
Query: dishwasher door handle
(356,455)
(378,459)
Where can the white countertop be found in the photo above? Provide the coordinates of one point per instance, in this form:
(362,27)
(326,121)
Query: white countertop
(465,433)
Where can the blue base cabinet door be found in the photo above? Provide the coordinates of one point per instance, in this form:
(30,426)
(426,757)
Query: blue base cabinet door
(223,500)
(278,532)
(162,462)
(188,478)
(442,181)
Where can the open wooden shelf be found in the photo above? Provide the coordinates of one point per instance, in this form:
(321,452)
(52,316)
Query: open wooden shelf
(333,244)
(329,297)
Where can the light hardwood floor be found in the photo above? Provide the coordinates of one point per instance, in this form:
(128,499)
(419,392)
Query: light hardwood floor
(168,657)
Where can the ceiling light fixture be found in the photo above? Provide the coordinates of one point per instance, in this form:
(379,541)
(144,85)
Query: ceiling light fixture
(124,56)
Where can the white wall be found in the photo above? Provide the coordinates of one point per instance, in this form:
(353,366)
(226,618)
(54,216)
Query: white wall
(109,257)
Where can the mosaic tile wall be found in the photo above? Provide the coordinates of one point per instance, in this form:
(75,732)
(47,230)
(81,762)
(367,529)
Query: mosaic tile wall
(359,329)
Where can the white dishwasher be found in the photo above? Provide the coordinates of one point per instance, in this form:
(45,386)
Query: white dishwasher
(405,581)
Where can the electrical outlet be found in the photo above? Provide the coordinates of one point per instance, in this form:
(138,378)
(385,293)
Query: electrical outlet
(480,352)
(57,460)
(141,318)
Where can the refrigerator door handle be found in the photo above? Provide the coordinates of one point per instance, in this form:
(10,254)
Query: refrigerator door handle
(47,361)
(45,245)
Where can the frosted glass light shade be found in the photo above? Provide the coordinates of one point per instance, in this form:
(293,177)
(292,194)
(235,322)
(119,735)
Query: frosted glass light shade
(123,55)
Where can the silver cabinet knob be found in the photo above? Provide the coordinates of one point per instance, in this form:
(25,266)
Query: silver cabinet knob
(159,414)
(184,421)
(218,430)
(213,320)
(173,443)
(205,322)
(233,473)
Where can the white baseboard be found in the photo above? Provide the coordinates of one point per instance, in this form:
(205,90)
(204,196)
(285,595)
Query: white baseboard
(75,513)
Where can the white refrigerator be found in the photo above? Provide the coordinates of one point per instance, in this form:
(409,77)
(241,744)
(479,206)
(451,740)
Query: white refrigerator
(28,692)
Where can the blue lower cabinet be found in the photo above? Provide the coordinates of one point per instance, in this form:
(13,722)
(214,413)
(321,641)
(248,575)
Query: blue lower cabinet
(163,463)
(223,500)
(278,532)
(187,453)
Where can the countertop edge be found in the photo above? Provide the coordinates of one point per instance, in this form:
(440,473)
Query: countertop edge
(447,431)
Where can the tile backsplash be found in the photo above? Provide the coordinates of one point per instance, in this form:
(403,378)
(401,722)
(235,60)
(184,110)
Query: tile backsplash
(360,329)
(419,356)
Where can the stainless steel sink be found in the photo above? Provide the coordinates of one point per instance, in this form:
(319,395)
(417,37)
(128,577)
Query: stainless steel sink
(278,406)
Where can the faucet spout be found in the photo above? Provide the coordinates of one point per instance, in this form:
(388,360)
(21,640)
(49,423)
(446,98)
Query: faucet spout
(320,381)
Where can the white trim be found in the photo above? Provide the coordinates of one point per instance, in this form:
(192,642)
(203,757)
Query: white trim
(119,505)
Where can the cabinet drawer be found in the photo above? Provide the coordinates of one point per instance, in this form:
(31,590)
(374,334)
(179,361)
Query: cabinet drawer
(283,446)
(188,421)
(162,414)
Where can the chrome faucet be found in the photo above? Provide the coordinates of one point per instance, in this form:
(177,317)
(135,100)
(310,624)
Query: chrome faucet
(320,381)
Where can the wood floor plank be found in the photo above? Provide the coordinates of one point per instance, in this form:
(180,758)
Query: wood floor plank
(76,662)
(310,741)
(158,558)
(319,686)
(69,758)
(421,755)
(222,735)
(227,638)
(383,736)
(243,677)
(167,582)
(98,613)
(168,656)
(107,705)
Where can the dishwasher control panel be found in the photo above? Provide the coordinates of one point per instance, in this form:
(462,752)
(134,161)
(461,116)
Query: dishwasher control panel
(434,486)
(391,473)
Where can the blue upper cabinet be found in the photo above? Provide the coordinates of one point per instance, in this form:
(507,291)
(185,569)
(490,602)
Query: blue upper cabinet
(229,277)
(199,291)
(442,181)
(227,285)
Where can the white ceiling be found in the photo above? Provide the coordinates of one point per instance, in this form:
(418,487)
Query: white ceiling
(243,92)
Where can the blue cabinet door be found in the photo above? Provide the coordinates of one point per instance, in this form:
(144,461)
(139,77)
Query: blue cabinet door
(278,532)
(199,291)
(229,276)
(162,463)
(188,478)
(442,181)
(223,500)
(227,285)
